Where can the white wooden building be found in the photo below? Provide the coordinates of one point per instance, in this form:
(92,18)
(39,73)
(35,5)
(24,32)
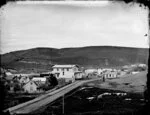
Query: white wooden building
(79,75)
(88,71)
(110,74)
(30,87)
(24,79)
(65,71)
(135,72)
(39,79)
(142,65)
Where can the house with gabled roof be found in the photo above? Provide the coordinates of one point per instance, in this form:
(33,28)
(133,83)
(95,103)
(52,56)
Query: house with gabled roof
(31,87)
(24,79)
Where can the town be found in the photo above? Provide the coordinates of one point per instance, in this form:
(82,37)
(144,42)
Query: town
(74,58)
(61,75)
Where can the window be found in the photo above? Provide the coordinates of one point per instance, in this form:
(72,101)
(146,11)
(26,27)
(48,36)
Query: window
(63,73)
(67,69)
(57,69)
(57,74)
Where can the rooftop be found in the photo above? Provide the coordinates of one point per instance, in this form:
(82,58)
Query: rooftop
(64,66)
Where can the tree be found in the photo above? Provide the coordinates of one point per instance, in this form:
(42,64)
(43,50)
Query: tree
(52,80)
(44,87)
(17,87)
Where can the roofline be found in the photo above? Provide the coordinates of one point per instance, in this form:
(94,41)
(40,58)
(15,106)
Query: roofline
(66,65)
(30,81)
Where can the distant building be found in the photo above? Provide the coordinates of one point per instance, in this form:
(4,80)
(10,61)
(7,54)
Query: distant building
(18,75)
(101,70)
(24,79)
(65,71)
(121,73)
(28,75)
(31,87)
(9,78)
(134,72)
(134,65)
(65,68)
(110,74)
(9,74)
(39,79)
(88,71)
(92,75)
(79,75)
(142,65)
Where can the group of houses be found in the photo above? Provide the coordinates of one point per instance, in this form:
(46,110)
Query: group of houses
(21,82)
(127,69)
(134,68)
(110,72)
(26,84)
(103,72)
(32,83)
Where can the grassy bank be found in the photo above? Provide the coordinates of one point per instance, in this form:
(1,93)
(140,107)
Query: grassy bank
(133,83)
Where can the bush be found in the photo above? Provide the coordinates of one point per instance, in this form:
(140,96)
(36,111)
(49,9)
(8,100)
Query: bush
(17,87)
(61,81)
(52,80)
(44,87)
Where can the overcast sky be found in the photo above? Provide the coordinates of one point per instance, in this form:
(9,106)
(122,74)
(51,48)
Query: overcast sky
(25,26)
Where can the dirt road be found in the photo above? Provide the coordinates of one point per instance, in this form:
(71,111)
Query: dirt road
(45,99)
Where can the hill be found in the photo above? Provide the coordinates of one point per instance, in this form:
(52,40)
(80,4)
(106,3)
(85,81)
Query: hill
(93,56)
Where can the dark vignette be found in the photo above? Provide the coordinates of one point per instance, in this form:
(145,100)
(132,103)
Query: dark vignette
(142,3)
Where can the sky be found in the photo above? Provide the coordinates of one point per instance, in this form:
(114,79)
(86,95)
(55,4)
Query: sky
(60,25)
